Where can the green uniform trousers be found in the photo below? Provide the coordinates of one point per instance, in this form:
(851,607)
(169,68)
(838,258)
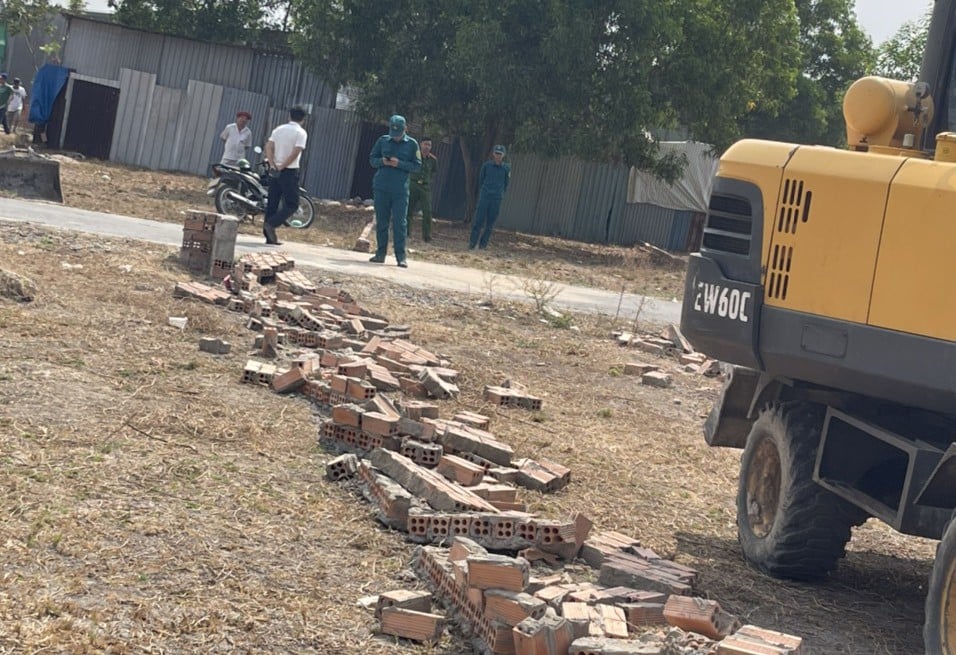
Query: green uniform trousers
(419,198)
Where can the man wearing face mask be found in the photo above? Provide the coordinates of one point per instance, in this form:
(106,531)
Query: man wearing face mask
(394,155)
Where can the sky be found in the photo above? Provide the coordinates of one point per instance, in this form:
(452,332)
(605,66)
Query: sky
(882,18)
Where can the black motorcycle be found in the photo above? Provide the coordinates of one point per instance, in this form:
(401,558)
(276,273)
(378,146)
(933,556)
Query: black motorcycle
(241,191)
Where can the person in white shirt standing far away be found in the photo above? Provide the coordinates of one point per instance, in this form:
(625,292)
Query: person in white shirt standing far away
(237,137)
(283,152)
(15,105)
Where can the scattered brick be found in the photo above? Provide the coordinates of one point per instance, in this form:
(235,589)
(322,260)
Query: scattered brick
(751,640)
(214,346)
(512,607)
(437,386)
(657,379)
(342,467)
(641,615)
(456,439)
(460,470)
(409,624)
(505,397)
(639,573)
(673,335)
(419,601)
(548,635)
(604,646)
(472,419)
(497,572)
(417,409)
(412,387)
(639,368)
(699,615)
(544,475)
(423,454)
(380,424)
(348,414)
(289,381)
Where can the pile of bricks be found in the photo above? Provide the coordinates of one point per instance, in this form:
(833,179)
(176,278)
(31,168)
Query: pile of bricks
(506,611)
(209,243)
(670,342)
(451,481)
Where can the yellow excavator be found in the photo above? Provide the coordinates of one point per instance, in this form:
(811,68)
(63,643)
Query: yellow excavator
(825,279)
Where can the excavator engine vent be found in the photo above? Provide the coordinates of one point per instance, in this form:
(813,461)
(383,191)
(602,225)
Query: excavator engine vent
(729,225)
(794,209)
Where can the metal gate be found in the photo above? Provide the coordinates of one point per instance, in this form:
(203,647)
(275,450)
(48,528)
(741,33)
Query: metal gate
(92,115)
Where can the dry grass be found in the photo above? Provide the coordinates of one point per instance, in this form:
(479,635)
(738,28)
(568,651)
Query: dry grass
(151,503)
(113,188)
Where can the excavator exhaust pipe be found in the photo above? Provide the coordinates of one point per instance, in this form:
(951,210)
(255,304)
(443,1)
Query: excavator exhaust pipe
(28,175)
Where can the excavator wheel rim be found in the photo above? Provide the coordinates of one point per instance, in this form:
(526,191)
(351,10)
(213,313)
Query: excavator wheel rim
(764,478)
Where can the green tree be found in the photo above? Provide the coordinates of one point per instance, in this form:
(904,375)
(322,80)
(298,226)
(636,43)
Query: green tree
(218,21)
(34,22)
(900,57)
(582,77)
(834,52)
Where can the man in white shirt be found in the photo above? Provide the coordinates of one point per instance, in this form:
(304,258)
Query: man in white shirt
(15,105)
(236,137)
(283,152)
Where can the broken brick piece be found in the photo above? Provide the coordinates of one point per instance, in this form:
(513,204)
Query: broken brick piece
(419,601)
(699,615)
(751,640)
(343,466)
(289,380)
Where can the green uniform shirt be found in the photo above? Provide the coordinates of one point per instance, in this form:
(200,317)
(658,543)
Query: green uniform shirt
(423,178)
(5,92)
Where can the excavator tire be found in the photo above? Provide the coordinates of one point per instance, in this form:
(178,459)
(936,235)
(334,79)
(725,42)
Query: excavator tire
(789,526)
(939,630)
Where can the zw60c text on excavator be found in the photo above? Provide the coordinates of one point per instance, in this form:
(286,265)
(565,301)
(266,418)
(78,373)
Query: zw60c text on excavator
(825,278)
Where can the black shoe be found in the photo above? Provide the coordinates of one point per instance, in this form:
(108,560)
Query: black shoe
(270,233)
(402,263)
(377,260)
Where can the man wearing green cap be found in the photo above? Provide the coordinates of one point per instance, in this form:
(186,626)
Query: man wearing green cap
(394,155)
(420,189)
(492,184)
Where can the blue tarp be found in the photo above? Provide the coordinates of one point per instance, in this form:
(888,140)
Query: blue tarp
(46,87)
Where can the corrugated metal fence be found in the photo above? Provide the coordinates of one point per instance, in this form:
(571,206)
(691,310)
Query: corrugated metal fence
(566,198)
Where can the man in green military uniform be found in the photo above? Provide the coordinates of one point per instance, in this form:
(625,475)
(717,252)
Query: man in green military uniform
(5,92)
(420,189)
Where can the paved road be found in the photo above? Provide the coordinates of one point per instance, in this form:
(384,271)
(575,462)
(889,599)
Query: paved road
(423,275)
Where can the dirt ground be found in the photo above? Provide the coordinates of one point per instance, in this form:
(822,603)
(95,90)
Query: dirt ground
(149,502)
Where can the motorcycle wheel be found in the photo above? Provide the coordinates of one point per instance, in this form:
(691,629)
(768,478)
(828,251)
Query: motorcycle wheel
(304,215)
(226,205)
